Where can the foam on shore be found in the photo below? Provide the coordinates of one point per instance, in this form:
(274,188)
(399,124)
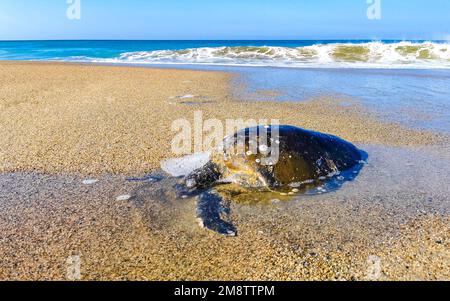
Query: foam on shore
(403,55)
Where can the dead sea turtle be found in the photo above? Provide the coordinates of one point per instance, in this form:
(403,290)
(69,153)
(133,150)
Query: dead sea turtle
(282,159)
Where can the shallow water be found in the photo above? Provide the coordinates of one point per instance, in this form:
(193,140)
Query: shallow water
(390,172)
(414,98)
(417,98)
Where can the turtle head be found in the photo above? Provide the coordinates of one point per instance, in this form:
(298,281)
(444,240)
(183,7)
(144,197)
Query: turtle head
(203,178)
(245,170)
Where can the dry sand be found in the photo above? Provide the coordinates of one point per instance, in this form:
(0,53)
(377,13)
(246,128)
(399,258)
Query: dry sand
(61,124)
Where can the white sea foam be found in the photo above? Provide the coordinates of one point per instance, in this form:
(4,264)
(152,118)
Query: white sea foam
(342,55)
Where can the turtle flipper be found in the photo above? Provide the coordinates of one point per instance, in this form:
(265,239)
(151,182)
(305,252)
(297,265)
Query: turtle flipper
(210,210)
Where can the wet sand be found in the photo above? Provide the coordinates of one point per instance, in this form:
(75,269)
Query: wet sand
(62,124)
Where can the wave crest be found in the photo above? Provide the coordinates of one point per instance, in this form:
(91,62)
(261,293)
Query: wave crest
(371,55)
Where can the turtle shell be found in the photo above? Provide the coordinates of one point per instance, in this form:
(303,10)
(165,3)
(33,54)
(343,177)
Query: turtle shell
(286,157)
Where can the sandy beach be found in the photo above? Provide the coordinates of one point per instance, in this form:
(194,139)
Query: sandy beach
(61,124)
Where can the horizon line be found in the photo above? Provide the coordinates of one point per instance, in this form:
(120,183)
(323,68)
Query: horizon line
(214,40)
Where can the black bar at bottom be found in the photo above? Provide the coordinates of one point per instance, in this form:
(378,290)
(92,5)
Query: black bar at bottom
(214,290)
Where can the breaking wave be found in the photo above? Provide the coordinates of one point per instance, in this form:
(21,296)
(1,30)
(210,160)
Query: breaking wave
(366,55)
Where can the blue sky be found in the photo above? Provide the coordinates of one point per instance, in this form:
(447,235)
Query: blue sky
(230,19)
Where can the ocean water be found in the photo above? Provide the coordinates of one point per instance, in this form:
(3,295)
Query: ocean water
(405,81)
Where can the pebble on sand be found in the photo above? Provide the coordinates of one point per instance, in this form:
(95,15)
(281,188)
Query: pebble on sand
(186,96)
(90,181)
(124,197)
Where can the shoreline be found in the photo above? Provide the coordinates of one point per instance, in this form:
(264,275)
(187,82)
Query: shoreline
(211,67)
